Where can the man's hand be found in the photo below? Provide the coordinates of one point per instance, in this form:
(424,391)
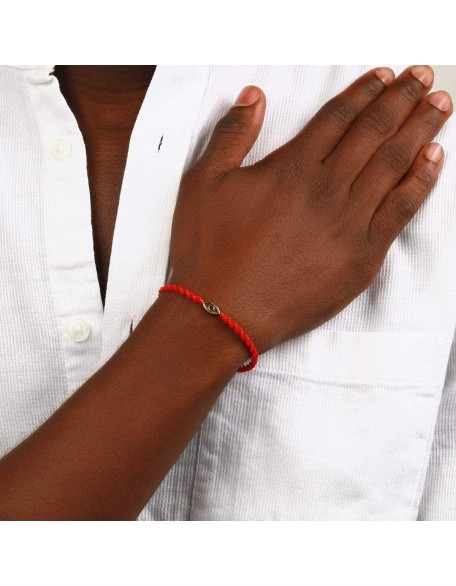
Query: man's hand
(285,244)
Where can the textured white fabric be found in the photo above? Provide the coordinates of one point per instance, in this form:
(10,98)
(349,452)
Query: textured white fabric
(439,497)
(337,424)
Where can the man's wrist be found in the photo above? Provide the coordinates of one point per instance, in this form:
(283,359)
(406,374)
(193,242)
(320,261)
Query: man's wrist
(206,334)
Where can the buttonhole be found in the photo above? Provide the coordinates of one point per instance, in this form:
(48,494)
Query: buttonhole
(159,144)
(131,326)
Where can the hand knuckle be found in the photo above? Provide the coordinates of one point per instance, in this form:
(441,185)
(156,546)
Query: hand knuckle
(427,122)
(397,156)
(231,124)
(379,120)
(191,178)
(339,112)
(403,206)
(411,90)
(423,179)
(202,173)
(374,88)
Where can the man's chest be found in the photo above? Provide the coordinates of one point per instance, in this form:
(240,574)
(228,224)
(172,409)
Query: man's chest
(105,167)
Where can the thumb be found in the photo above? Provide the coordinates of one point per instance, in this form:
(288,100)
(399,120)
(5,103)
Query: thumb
(235,133)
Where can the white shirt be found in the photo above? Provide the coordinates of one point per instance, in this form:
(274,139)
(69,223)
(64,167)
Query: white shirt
(336,424)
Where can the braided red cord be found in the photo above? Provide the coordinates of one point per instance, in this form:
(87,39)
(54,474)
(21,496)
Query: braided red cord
(237,329)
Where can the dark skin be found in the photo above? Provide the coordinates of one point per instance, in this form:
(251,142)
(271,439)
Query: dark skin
(281,246)
(105,100)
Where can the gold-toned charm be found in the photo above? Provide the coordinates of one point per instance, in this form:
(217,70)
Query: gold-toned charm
(211,308)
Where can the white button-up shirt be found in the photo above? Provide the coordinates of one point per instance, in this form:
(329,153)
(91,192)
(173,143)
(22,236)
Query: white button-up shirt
(342,423)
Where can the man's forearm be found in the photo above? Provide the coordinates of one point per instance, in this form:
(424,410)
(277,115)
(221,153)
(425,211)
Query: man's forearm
(106,450)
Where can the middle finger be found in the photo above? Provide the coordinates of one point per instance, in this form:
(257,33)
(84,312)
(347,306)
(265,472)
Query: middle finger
(379,121)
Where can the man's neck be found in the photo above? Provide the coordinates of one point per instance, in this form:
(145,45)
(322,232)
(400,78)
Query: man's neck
(104,98)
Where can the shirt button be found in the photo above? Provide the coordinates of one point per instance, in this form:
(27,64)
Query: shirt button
(78,330)
(61,150)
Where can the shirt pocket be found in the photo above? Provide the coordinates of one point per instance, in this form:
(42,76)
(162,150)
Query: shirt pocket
(334,425)
(347,357)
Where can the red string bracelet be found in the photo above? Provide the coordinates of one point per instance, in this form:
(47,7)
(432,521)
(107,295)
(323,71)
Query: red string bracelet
(214,310)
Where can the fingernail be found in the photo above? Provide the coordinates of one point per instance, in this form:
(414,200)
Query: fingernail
(424,73)
(441,100)
(248,96)
(385,75)
(434,152)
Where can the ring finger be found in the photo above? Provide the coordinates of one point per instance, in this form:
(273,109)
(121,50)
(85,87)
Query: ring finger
(395,157)
(379,122)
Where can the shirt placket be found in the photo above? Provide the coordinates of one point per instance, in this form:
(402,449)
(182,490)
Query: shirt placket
(157,154)
(139,256)
(68,229)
